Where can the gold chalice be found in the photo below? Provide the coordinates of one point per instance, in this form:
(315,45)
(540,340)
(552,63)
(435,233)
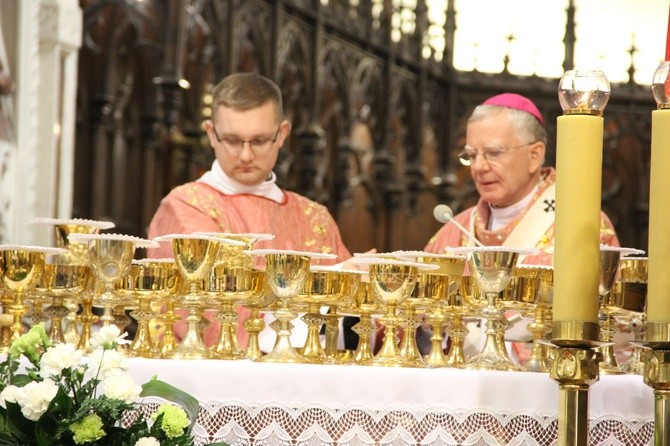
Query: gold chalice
(365,304)
(349,281)
(61,281)
(610,304)
(393,282)
(491,267)
(322,287)
(232,253)
(286,272)
(194,256)
(227,286)
(259,297)
(540,327)
(110,256)
(436,293)
(77,252)
(147,281)
(21,268)
(632,286)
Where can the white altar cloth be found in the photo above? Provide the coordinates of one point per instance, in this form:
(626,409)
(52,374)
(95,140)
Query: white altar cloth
(244,402)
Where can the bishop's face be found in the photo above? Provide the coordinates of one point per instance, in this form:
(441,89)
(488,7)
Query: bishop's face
(503,167)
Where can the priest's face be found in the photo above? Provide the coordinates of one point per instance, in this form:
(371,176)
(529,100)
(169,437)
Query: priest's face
(504,167)
(246,142)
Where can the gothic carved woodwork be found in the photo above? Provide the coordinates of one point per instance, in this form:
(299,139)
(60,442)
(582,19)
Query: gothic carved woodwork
(375,123)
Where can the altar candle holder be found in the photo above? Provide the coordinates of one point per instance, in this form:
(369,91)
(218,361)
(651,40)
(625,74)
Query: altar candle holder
(657,368)
(583,96)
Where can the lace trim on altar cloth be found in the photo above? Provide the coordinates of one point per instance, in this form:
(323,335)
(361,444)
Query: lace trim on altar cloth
(272,425)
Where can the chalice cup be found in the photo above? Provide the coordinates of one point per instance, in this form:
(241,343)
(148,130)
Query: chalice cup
(632,286)
(61,281)
(194,256)
(110,257)
(491,267)
(286,272)
(21,268)
(610,304)
(76,252)
(146,282)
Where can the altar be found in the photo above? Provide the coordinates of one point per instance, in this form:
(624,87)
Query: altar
(252,403)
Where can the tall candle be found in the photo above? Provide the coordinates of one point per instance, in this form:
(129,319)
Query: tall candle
(667,39)
(658,295)
(577,227)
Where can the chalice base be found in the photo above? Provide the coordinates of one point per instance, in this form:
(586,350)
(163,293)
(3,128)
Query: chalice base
(254,325)
(283,351)
(192,346)
(389,354)
(609,366)
(364,329)
(494,355)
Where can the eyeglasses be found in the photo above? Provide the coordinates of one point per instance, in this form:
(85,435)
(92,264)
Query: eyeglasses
(235,144)
(492,155)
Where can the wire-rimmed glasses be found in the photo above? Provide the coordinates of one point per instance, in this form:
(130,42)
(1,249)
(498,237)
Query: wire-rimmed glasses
(235,145)
(492,155)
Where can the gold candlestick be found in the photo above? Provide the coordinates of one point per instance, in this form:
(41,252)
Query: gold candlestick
(583,96)
(657,369)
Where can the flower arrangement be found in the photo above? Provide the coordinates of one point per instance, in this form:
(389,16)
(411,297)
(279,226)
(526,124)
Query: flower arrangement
(62,397)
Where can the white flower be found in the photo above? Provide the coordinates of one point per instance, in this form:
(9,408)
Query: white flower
(59,357)
(121,386)
(147,441)
(10,393)
(107,336)
(104,363)
(35,398)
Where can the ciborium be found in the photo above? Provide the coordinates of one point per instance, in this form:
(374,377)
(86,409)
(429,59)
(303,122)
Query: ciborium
(109,256)
(61,281)
(286,272)
(491,267)
(21,268)
(194,256)
(147,281)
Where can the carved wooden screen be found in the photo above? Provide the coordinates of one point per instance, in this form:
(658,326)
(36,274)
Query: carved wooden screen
(376,123)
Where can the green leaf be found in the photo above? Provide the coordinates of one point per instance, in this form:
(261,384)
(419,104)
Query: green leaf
(161,389)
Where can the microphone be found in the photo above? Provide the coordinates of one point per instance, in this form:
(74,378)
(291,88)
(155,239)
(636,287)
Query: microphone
(444,214)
